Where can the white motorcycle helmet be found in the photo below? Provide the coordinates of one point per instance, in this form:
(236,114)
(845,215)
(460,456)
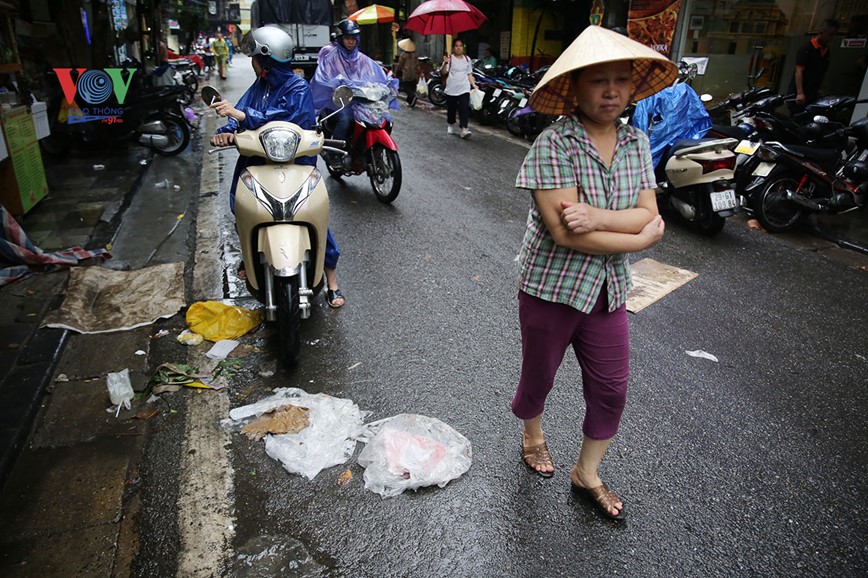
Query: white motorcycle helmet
(271,41)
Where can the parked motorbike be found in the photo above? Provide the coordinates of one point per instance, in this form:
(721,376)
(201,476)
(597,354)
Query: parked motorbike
(791,181)
(371,149)
(282,216)
(695,176)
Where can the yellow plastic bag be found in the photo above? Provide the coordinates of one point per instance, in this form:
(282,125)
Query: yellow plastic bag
(216,321)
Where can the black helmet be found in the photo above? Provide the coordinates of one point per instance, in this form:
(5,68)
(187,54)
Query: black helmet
(348,28)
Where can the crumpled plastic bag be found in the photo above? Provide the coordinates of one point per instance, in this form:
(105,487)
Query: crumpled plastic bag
(328,441)
(409,451)
(120,389)
(216,321)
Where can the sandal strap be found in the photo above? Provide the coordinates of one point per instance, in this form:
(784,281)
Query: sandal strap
(537,455)
(605,497)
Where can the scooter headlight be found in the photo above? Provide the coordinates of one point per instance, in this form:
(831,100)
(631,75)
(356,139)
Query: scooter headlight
(280,144)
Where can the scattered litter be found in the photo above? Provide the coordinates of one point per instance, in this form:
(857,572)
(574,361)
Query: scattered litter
(412,451)
(754,224)
(328,441)
(862,357)
(189,338)
(222,348)
(176,187)
(355,365)
(314,341)
(345,478)
(702,354)
(286,419)
(216,321)
(61,378)
(153,399)
(268,368)
(147,414)
(120,390)
(243,350)
(161,333)
(170,377)
(98,167)
(140,352)
(143,162)
(164,184)
(189,114)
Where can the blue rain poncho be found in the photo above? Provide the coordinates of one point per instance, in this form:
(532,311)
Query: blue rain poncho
(677,113)
(337,66)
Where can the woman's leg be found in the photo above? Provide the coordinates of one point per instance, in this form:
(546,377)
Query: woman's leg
(463,109)
(546,330)
(603,350)
(330,265)
(451,108)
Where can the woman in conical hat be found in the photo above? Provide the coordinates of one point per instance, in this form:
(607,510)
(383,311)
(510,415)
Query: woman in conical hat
(593,202)
(407,69)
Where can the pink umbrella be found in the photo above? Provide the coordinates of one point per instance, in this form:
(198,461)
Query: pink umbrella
(445,17)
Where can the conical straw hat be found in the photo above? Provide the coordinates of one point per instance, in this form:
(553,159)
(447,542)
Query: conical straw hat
(652,71)
(407,45)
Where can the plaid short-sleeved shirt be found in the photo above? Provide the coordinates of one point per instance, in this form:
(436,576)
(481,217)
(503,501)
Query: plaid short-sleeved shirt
(563,157)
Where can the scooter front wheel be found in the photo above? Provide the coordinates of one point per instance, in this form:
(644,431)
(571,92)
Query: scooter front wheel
(288,319)
(385,173)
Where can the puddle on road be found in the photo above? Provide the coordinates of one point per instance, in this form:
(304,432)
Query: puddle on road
(264,556)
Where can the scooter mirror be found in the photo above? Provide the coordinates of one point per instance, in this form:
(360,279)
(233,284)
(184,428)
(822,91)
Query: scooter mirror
(210,95)
(703,97)
(341,97)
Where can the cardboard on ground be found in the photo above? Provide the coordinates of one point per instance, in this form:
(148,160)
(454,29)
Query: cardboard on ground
(652,281)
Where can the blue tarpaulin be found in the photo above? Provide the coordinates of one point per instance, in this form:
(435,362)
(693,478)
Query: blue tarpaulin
(675,113)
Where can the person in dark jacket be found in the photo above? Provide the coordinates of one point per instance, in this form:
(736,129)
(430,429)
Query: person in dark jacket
(812,62)
(276,94)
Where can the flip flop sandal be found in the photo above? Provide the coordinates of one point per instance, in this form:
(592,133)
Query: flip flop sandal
(537,456)
(602,497)
(332,296)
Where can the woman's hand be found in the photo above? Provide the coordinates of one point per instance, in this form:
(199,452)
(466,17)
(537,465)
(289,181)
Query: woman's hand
(653,231)
(223,139)
(579,217)
(224,108)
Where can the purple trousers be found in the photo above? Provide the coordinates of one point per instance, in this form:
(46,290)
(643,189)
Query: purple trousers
(602,346)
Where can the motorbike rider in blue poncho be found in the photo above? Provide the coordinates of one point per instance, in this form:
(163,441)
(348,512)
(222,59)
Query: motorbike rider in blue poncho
(277,94)
(342,64)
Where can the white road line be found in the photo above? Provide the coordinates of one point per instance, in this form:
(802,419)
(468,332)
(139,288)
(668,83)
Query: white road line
(205,504)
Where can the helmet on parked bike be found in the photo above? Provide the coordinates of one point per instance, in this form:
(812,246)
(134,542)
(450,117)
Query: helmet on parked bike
(348,28)
(270,41)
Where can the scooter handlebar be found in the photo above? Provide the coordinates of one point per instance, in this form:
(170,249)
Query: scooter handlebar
(340,144)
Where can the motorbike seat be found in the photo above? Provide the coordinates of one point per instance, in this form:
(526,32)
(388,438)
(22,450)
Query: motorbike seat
(824,157)
(729,131)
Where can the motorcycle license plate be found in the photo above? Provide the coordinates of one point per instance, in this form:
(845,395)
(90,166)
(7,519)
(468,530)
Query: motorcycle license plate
(763,169)
(723,200)
(746,147)
(523,103)
(496,93)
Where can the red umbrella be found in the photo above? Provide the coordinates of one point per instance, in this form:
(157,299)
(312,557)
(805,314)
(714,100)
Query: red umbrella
(445,17)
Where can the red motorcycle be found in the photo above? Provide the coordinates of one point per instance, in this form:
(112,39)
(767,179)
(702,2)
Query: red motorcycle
(371,148)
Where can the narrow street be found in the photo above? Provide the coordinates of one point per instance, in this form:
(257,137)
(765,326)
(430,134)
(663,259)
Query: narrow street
(752,465)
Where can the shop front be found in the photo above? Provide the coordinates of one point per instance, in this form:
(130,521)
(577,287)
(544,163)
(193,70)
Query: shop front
(747,39)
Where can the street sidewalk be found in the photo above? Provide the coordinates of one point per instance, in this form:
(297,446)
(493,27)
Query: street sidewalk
(88,196)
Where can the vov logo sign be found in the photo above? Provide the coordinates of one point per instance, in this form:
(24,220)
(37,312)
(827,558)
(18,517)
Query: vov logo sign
(94,88)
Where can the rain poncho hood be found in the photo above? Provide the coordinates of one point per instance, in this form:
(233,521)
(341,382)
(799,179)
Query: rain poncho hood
(337,66)
(677,113)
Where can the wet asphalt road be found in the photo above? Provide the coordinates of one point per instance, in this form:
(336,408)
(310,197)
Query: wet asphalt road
(751,466)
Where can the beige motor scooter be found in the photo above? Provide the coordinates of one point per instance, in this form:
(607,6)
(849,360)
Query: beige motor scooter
(282,217)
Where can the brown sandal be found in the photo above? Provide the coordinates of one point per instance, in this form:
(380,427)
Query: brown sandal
(602,497)
(538,456)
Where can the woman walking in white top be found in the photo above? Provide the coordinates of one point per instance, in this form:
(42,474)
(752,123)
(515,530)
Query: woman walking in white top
(459,69)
